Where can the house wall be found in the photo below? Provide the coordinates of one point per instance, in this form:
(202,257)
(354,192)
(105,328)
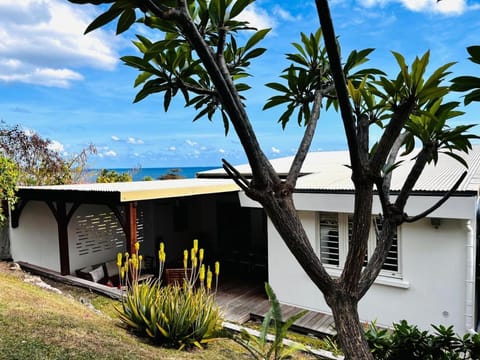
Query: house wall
(36,239)
(432,290)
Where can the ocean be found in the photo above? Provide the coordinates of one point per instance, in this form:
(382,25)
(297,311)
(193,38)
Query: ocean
(155,173)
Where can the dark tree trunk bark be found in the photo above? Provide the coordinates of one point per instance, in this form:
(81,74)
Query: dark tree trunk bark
(351,334)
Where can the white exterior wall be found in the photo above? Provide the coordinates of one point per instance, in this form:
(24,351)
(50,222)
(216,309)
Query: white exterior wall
(36,239)
(434,264)
(432,290)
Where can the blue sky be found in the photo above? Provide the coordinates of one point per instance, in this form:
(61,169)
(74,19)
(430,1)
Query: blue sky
(73,89)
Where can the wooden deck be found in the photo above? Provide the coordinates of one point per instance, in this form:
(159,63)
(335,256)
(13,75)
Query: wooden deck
(240,301)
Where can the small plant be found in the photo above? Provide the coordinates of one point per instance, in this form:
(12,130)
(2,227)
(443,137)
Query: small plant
(260,347)
(175,315)
(407,342)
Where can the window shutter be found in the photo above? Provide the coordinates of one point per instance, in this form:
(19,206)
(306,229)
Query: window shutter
(329,242)
(391,262)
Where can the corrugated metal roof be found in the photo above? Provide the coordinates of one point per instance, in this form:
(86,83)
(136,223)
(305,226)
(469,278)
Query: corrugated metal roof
(328,171)
(335,176)
(147,190)
(314,162)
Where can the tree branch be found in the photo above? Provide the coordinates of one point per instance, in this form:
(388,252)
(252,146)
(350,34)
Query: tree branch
(261,168)
(304,146)
(392,131)
(336,68)
(417,169)
(445,197)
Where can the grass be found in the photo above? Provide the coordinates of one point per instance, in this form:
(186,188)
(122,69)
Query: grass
(38,324)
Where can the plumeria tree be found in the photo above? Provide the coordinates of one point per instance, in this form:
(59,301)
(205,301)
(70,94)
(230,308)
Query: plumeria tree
(199,57)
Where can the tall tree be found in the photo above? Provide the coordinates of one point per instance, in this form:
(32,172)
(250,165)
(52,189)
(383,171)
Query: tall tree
(200,59)
(8,185)
(37,160)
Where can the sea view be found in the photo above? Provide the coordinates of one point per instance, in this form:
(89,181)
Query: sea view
(187,172)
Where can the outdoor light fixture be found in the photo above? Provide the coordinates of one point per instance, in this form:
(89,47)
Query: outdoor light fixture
(436,222)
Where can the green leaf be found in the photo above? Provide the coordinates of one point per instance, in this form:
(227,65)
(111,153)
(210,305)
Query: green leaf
(465,83)
(474,51)
(104,19)
(255,38)
(238,7)
(126,20)
(278,87)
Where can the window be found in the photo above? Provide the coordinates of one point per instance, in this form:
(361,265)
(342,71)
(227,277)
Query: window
(329,244)
(335,233)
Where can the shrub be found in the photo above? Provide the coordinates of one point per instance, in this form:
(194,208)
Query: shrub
(175,315)
(407,342)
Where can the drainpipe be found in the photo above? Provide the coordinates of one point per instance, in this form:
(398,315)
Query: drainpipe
(470,277)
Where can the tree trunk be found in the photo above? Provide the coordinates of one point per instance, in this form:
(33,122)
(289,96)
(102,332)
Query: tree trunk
(351,334)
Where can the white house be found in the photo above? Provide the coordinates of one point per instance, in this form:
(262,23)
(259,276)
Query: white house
(428,278)
(430,274)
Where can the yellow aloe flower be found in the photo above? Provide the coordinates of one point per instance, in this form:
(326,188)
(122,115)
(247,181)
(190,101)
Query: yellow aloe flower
(217,268)
(137,246)
(200,255)
(122,272)
(195,244)
(193,254)
(194,262)
(162,246)
(119,259)
(140,258)
(202,273)
(209,279)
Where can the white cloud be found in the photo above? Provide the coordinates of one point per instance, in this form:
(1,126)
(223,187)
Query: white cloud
(115,138)
(443,6)
(41,41)
(275,150)
(221,151)
(284,14)
(190,142)
(56,146)
(172,148)
(257,17)
(132,140)
(110,153)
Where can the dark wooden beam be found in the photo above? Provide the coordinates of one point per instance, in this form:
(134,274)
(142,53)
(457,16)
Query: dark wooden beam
(131,222)
(62,224)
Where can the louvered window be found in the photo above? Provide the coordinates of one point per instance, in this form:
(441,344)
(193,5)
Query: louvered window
(335,234)
(329,240)
(391,262)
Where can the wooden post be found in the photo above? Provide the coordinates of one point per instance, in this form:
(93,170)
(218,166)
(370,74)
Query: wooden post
(131,222)
(62,224)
